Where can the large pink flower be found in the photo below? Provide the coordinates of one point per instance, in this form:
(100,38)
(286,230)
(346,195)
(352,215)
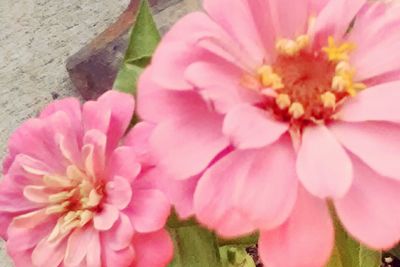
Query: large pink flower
(73,192)
(303,106)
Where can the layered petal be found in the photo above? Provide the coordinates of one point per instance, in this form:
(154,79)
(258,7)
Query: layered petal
(179,49)
(106,218)
(59,147)
(179,192)
(250,127)
(120,235)
(327,23)
(76,248)
(243,178)
(306,239)
(377,144)
(219,82)
(49,254)
(124,163)
(200,129)
(364,209)
(378,21)
(323,166)
(377,103)
(149,210)
(138,138)
(111,114)
(153,249)
(156,104)
(119,192)
(238,22)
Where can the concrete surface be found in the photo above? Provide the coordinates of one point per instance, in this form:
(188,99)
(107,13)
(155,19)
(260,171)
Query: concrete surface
(36,37)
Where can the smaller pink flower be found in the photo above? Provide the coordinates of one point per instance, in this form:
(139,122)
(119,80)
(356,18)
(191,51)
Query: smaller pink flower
(74,192)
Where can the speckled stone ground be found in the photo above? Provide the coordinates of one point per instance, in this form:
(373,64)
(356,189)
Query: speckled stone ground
(36,37)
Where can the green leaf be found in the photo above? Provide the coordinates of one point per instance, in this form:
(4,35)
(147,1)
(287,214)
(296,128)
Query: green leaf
(245,240)
(233,256)
(348,252)
(395,251)
(144,39)
(195,247)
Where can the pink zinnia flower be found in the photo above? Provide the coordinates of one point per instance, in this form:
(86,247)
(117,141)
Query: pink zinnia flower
(73,192)
(281,105)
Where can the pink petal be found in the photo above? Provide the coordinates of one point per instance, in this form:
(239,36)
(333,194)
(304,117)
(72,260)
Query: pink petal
(305,240)
(250,127)
(243,178)
(138,138)
(289,17)
(179,192)
(156,104)
(40,139)
(93,256)
(124,163)
(77,245)
(153,249)
(148,210)
(37,194)
(31,219)
(120,235)
(22,239)
(106,218)
(378,21)
(377,144)
(327,23)
(234,224)
(119,192)
(49,254)
(179,49)
(12,199)
(121,258)
(238,22)
(93,119)
(26,170)
(201,130)
(378,103)
(122,106)
(364,210)
(323,166)
(261,14)
(113,120)
(71,106)
(219,83)
(94,153)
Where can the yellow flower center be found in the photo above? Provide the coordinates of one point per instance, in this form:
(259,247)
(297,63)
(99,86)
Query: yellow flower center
(308,84)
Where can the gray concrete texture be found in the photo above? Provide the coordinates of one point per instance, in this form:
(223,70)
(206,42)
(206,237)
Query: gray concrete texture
(36,38)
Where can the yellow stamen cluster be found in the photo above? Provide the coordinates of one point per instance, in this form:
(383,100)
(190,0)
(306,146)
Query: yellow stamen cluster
(75,204)
(343,81)
(269,78)
(338,53)
(296,110)
(290,47)
(328,100)
(283,101)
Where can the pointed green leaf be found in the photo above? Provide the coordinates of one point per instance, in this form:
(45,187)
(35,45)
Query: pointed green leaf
(144,39)
(144,36)
(348,252)
(195,247)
